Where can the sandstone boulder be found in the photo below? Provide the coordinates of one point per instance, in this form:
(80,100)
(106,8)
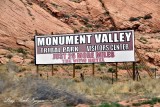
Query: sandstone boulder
(29,44)
(27,61)
(4,52)
(4,60)
(17,59)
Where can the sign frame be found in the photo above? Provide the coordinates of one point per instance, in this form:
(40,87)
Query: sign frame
(35,46)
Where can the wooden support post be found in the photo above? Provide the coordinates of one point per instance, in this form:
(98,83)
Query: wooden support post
(52,69)
(93,69)
(116,71)
(52,64)
(155,73)
(37,70)
(74,71)
(137,75)
(134,71)
(112,77)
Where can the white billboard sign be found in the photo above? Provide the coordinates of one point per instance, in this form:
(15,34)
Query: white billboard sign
(111,46)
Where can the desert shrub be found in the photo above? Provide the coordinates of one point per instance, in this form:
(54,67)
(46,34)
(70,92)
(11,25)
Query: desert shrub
(99,69)
(54,5)
(103,64)
(76,31)
(86,65)
(21,50)
(21,69)
(55,69)
(66,16)
(148,16)
(78,67)
(76,1)
(45,92)
(133,19)
(106,13)
(143,40)
(9,56)
(98,25)
(75,15)
(12,67)
(42,90)
(89,26)
(33,61)
(85,19)
(111,70)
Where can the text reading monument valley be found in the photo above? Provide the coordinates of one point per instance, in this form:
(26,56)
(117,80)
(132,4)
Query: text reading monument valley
(86,42)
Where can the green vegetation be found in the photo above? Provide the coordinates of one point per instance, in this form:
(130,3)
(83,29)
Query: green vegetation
(102,64)
(143,40)
(78,66)
(21,50)
(89,26)
(99,69)
(9,56)
(111,70)
(75,15)
(54,5)
(151,102)
(148,16)
(133,19)
(76,31)
(66,16)
(76,1)
(85,20)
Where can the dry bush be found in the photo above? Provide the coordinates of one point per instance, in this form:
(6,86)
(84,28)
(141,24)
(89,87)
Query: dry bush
(38,89)
(64,91)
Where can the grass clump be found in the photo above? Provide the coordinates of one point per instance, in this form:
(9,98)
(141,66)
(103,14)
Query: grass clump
(21,50)
(76,1)
(143,40)
(148,16)
(78,67)
(9,56)
(133,19)
(102,64)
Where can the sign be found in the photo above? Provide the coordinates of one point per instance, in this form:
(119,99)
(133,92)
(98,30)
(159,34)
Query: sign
(112,46)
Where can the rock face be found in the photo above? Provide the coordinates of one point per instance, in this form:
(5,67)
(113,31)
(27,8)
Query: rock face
(4,52)
(122,11)
(20,18)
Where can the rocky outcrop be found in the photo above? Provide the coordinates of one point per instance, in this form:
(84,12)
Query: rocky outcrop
(132,11)
(19,20)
